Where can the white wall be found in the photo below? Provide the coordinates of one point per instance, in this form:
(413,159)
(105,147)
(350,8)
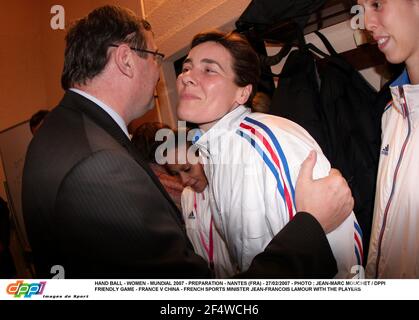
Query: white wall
(175,22)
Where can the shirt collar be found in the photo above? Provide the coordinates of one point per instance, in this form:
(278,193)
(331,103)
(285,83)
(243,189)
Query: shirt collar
(411,94)
(401,80)
(223,126)
(112,113)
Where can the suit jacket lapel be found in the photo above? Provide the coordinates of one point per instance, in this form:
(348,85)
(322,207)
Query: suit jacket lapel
(104,120)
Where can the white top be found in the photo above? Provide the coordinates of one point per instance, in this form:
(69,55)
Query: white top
(252,161)
(394,244)
(202,232)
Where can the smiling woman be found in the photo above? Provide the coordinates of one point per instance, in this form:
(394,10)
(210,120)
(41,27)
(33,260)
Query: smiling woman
(394,26)
(220,73)
(394,245)
(251,160)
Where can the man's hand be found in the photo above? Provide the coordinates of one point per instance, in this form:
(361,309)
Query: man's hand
(328,199)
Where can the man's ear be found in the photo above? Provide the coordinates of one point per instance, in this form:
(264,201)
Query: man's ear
(244,94)
(123,58)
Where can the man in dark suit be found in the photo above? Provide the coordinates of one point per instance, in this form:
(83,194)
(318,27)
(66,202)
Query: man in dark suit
(91,203)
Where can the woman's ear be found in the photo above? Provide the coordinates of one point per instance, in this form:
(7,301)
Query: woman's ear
(244,94)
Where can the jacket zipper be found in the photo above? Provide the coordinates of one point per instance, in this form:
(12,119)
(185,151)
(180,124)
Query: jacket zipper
(204,151)
(405,115)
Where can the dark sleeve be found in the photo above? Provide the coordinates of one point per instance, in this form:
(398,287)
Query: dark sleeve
(299,250)
(112,221)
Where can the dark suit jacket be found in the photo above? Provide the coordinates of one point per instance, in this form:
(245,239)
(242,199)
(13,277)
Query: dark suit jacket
(92,205)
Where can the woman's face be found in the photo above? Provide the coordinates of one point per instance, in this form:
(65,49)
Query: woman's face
(206,86)
(192,175)
(394,24)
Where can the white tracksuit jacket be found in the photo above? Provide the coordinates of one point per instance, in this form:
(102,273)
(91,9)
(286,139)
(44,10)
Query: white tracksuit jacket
(394,244)
(252,161)
(197,215)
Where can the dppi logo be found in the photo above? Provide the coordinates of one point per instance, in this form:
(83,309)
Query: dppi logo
(27,290)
